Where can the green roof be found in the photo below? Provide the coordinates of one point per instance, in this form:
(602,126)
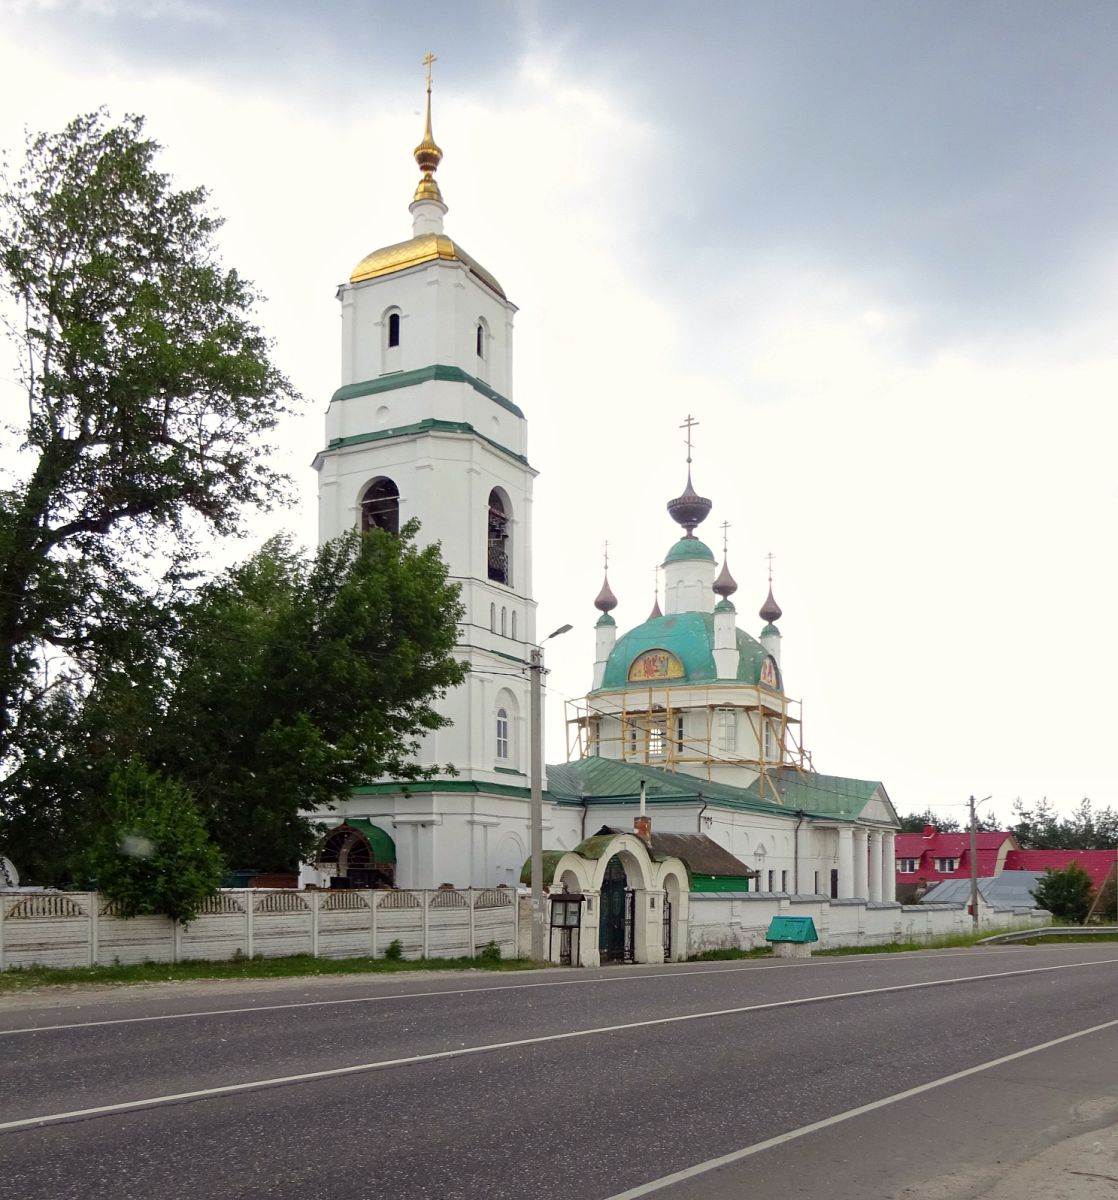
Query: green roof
(690,637)
(688,548)
(592,781)
(550,862)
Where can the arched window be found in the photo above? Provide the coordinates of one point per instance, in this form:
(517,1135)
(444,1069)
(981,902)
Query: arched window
(498,539)
(514,624)
(380,506)
(393,329)
(480,340)
(492,618)
(504,621)
(502,734)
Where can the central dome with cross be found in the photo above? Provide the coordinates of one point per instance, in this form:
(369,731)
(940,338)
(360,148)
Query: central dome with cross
(686,687)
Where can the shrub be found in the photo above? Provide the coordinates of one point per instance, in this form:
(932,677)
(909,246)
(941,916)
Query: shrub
(395,950)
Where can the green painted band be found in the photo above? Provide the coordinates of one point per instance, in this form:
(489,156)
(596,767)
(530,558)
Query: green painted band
(430,425)
(401,379)
(419,787)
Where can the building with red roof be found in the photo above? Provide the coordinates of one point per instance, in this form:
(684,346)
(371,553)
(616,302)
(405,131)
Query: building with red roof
(1099,864)
(928,857)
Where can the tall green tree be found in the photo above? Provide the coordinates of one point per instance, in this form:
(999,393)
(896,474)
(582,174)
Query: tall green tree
(298,678)
(1039,827)
(150,396)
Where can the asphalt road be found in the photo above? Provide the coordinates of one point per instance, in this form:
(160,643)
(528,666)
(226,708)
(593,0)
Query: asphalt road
(705,1080)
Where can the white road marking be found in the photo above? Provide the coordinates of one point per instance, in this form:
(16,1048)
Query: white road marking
(464,1051)
(620,977)
(712,1164)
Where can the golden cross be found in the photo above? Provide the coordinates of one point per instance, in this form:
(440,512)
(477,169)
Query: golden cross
(689,424)
(427,63)
(770,556)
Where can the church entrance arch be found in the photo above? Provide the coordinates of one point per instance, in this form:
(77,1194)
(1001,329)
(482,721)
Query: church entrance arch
(615,918)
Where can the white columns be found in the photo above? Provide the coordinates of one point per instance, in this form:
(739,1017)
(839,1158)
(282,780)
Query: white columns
(846,863)
(861,837)
(875,864)
(889,867)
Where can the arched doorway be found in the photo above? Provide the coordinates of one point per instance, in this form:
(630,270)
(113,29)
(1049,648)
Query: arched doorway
(615,917)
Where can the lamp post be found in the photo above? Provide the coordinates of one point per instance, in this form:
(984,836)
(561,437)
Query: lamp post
(535,769)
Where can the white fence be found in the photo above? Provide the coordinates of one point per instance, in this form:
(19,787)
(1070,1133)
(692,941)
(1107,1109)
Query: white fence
(741,920)
(81,929)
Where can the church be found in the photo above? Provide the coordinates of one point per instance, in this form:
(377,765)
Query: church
(690,762)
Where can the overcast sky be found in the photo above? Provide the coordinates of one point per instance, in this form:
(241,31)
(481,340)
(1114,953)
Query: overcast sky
(871,246)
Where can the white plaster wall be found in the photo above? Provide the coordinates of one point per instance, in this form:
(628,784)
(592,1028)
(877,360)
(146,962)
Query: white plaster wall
(440,304)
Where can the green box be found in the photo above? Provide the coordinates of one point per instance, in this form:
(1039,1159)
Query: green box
(791,929)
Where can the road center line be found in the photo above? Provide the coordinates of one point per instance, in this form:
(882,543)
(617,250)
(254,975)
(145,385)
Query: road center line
(620,977)
(712,1164)
(464,1051)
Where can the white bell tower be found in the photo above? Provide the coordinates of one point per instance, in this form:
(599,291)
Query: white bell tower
(424,427)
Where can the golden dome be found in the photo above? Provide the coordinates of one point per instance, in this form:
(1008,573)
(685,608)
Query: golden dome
(427,153)
(427,247)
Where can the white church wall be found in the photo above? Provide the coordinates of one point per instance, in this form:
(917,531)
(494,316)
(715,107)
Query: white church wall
(721,921)
(79,929)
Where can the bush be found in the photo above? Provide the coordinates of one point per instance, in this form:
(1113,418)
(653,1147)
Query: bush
(151,854)
(395,950)
(490,952)
(1066,894)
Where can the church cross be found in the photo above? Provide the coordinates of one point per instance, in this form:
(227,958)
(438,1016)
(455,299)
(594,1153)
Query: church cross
(725,535)
(605,554)
(427,63)
(689,424)
(770,556)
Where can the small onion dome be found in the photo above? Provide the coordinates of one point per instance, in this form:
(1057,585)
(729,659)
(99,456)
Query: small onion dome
(655,610)
(690,509)
(768,631)
(605,619)
(724,606)
(606,600)
(724,585)
(770,610)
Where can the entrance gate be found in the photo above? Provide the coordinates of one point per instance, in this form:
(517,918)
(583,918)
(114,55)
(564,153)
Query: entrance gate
(615,918)
(667,929)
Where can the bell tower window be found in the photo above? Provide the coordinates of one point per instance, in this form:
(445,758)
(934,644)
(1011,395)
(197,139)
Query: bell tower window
(380,507)
(498,529)
(393,329)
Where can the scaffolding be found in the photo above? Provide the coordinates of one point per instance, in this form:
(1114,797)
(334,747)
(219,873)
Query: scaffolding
(685,728)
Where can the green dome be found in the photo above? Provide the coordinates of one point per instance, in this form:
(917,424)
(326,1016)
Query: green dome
(606,619)
(685,642)
(687,549)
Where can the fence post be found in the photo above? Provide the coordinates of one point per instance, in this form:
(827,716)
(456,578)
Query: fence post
(250,906)
(373,914)
(3,913)
(516,922)
(94,928)
(317,899)
(472,895)
(176,938)
(426,910)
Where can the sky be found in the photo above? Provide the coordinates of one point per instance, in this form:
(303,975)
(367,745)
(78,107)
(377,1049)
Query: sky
(871,247)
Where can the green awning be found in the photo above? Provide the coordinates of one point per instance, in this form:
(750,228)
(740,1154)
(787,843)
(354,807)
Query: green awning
(384,848)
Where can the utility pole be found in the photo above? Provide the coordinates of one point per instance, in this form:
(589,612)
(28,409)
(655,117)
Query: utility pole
(535,780)
(973,864)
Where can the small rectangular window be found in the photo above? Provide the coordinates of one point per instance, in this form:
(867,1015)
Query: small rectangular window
(679,733)
(656,739)
(772,881)
(727,729)
(815,883)
(783,881)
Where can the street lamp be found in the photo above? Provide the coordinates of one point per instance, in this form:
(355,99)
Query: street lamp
(535,769)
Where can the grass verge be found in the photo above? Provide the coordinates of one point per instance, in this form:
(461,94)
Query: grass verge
(17,979)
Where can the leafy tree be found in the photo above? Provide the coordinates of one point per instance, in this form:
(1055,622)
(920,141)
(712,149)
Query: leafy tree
(1066,894)
(299,678)
(915,822)
(1040,828)
(150,852)
(150,395)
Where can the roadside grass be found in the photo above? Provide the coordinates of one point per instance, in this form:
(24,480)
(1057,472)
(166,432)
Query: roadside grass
(730,953)
(16,979)
(1069,937)
(946,941)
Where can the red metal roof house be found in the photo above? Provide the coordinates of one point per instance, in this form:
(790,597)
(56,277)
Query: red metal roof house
(931,856)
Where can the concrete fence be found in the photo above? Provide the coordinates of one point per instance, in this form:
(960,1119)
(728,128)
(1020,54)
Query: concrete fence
(741,920)
(81,929)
